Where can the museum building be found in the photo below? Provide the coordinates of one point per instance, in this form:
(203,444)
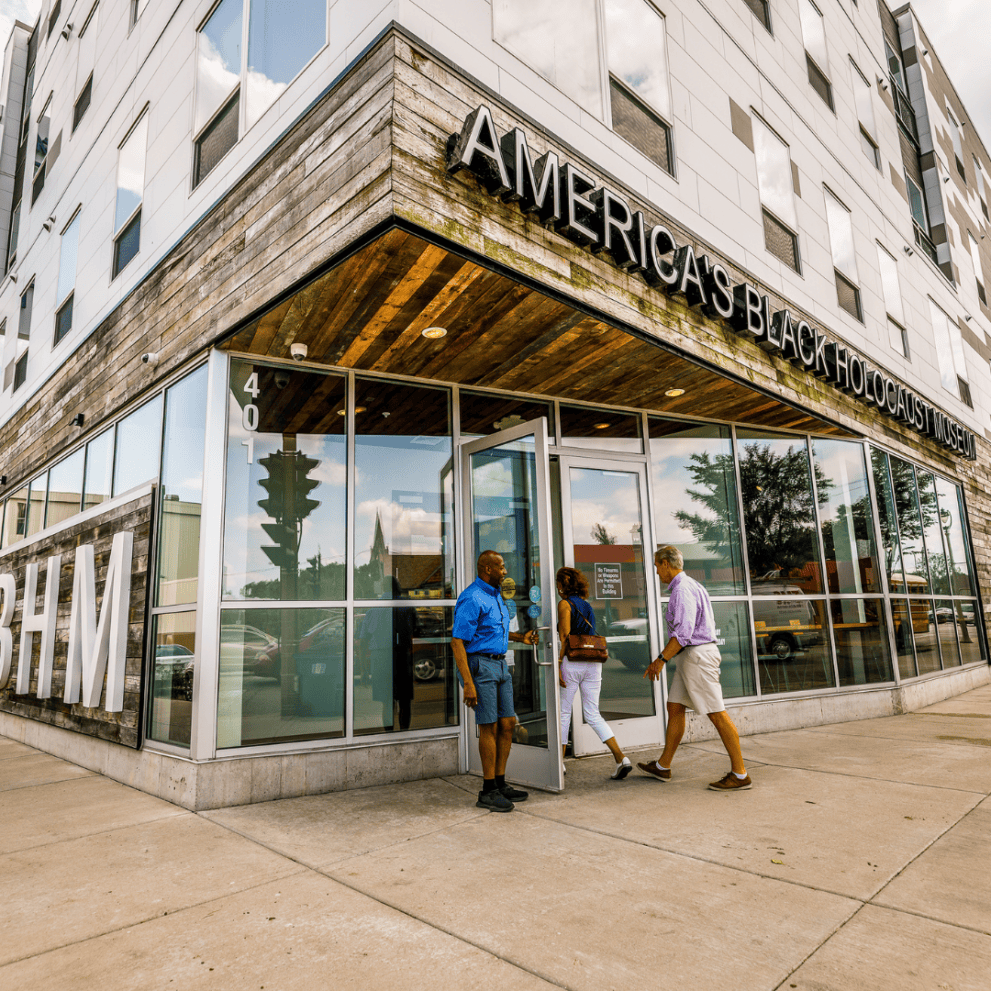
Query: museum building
(304,306)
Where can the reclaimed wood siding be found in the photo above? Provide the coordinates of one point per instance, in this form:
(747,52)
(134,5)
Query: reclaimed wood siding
(118,727)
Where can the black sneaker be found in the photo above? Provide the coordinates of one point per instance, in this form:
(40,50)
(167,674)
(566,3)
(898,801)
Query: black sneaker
(494,801)
(513,794)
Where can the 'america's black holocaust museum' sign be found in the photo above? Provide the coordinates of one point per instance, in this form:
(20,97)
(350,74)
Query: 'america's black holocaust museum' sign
(596,217)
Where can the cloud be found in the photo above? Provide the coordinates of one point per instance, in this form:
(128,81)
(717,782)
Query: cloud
(25,11)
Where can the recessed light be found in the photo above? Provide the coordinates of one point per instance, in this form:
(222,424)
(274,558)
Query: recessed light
(674,393)
(434,333)
(602,426)
(357,409)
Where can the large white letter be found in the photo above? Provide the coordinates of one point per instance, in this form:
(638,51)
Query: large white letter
(43,623)
(92,646)
(9,589)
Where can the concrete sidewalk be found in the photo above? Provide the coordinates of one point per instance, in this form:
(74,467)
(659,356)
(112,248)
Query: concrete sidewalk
(858,861)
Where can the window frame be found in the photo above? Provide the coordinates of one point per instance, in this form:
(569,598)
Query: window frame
(790,225)
(812,62)
(121,230)
(66,302)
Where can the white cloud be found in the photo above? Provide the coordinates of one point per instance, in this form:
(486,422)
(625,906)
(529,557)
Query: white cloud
(25,11)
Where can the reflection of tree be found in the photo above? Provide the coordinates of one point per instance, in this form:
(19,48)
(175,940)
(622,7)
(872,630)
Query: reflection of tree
(601,535)
(777,506)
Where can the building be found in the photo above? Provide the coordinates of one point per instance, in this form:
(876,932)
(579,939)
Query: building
(304,305)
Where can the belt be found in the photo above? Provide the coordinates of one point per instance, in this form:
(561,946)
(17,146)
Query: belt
(492,657)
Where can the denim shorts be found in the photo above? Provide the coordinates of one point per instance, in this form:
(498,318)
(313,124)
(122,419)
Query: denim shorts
(494,687)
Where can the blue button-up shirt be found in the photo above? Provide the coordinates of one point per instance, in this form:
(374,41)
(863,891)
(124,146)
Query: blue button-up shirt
(689,613)
(481,619)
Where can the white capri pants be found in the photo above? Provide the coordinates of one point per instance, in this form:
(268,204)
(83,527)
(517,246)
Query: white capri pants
(586,677)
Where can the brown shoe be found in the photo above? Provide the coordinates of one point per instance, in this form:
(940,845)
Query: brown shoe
(731,783)
(658,772)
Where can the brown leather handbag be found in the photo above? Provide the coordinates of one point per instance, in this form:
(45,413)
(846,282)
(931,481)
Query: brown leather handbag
(585,646)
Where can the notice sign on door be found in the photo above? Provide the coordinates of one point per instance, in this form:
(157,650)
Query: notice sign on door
(608,581)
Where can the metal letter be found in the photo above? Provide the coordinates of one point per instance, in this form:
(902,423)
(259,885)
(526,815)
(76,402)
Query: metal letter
(607,206)
(477,149)
(659,272)
(748,311)
(43,623)
(689,282)
(8,589)
(574,186)
(543,197)
(715,279)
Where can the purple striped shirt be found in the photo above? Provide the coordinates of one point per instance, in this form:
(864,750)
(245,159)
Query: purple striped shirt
(689,613)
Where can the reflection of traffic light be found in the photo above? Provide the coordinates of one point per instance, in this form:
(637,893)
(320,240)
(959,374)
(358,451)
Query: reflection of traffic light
(286,503)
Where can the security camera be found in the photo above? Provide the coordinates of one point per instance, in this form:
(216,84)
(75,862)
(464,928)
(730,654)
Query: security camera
(150,358)
(281,378)
(298,352)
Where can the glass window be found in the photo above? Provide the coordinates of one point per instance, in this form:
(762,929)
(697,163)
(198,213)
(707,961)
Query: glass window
(282,38)
(932,532)
(952,519)
(975,257)
(792,645)
(863,97)
(281,676)
(968,631)
(86,59)
(483,414)
(139,438)
(887,518)
(37,498)
(926,635)
(841,237)
(905,626)
(600,429)
(846,517)
(946,628)
(403,513)
(16,517)
(560,46)
(99,469)
(218,59)
(949,350)
(404,671)
(890,286)
(917,204)
(895,67)
(171,698)
(284,521)
(24,315)
(955,136)
(695,502)
(636,51)
(65,489)
(68,253)
(774,176)
(779,514)
(861,638)
(127,244)
(982,194)
(181,490)
(733,639)
(131,173)
(910,527)
(814,34)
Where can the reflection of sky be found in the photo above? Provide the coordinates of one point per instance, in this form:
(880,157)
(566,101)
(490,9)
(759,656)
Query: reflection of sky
(282,38)
(556,40)
(182,464)
(606,497)
(131,173)
(842,465)
(814,34)
(841,237)
(774,179)
(218,66)
(635,44)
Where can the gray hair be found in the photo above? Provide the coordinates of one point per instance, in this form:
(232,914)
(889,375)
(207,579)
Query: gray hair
(672,555)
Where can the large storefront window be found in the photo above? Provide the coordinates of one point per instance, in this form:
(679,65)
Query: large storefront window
(403,492)
(695,502)
(792,644)
(891,549)
(285,517)
(174,658)
(779,514)
(861,641)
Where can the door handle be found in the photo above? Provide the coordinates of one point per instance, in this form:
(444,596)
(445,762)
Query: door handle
(534,646)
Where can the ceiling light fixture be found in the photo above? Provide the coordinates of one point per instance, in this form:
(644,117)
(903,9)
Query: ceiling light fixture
(357,409)
(674,393)
(434,333)
(602,426)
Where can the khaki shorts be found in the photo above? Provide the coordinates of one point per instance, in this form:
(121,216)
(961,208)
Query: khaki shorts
(695,683)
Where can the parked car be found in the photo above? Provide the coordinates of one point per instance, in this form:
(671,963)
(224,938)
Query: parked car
(252,643)
(174,666)
(786,626)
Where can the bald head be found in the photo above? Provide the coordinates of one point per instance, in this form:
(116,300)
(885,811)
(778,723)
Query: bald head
(491,568)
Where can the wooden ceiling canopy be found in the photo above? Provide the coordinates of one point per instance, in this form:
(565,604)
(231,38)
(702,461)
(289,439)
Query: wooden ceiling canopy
(369,311)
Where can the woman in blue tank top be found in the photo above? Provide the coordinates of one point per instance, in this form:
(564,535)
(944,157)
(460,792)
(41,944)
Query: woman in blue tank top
(575,615)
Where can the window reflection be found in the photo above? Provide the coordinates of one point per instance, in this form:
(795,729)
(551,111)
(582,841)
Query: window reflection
(281,676)
(695,504)
(37,496)
(926,635)
(484,413)
(946,628)
(910,524)
(404,673)
(792,648)
(890,544)
(403,513)
(968,632)
(284,515)
(218,59)
(600,429)
(846,516)
(736,671)
(932,532)
(15,517)
(171,705)
(181,489)
(905,625)
(139,438)
(951,520)
(779,513)
(861,640)
(99,469)
(65,489)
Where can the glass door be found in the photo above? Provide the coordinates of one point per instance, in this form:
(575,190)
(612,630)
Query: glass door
(507,502)
(606,538)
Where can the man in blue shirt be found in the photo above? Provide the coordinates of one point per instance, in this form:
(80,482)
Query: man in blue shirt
(480,640)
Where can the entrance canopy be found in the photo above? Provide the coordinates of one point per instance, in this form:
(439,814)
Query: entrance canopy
(369,313)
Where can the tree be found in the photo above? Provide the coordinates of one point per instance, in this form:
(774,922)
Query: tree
(601,535)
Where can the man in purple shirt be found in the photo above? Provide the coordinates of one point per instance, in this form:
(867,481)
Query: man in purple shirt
(695,684)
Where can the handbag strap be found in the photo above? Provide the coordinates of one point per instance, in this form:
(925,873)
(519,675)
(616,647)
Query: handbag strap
(575,611)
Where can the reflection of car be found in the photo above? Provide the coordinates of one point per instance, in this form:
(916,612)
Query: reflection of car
(786,626)
(963,613)
(174,671)
(626,640)
(254,644)
(320,668)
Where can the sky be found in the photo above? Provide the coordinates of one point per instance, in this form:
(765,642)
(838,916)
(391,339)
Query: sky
(958,29)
